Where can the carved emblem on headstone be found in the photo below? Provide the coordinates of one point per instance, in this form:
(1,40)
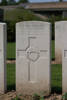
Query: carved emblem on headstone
(32,54)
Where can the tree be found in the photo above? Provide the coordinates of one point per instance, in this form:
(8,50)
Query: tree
(22,1)
(60,0)
(11,2)
(4,2)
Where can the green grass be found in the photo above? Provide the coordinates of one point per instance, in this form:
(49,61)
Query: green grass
(56,78)
(11,76)
(11,51)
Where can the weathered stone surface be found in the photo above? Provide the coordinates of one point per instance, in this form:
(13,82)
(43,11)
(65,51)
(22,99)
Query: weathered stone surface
(64,58)
(2,57)
(60,29)
(33,57)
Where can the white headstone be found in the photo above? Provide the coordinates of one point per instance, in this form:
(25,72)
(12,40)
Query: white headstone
(60,28)
(33,57)
(64,58)
(2,57)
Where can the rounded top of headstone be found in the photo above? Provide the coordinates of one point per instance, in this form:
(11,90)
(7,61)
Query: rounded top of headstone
(29,22)
(61,22)
(61,25)
(2,23)
(33,27)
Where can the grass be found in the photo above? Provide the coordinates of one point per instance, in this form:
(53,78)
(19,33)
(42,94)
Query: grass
(11,50)
(56,78)
(11,76)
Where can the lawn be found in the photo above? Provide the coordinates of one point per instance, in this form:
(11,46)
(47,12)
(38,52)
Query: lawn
(11,71)
(56,78)
(11,50)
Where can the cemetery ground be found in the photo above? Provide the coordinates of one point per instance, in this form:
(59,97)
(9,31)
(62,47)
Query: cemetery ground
(56,73)
(13,96)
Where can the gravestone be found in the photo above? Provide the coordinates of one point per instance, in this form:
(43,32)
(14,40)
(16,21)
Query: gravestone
(60,29)
(64,59)
(33,57)
(2,58)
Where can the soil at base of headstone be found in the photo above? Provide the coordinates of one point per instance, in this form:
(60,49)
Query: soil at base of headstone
(14,61)
(12,95)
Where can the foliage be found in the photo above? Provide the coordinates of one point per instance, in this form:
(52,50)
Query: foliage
(8,2)
(42,98)
(53,19)
(60,0)
(35,97)
(22,1)
(11,2)
(11,31)
(4,2)
(11,17)
(64,97)
(17,98)
(38,97)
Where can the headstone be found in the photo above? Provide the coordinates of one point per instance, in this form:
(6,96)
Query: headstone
(60,28)
(64,58)
(2,58)
(33,57)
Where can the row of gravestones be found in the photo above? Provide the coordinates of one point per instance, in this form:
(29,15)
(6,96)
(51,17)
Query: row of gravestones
(33,56)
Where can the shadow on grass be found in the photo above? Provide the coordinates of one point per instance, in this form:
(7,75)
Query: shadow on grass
(57,90)
(56,78)
(53,59)
(11,58)
(11,87)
